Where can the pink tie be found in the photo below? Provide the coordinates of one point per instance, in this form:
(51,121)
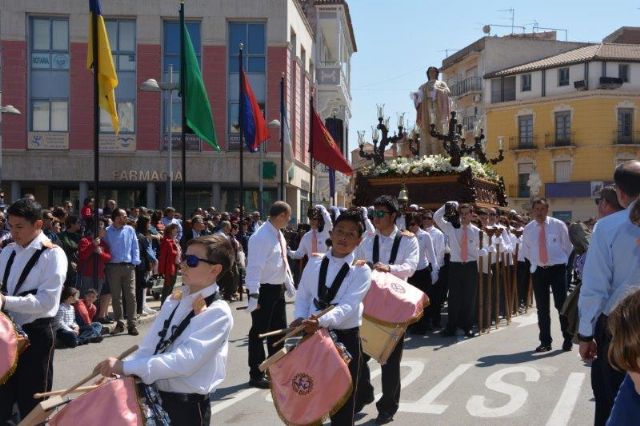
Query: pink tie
(542,246)
(283,254)
(464,244)
(314,241)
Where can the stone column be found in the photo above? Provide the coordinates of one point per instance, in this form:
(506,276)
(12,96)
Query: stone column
(15,191)
(216,196)
(83,192)
(151,195)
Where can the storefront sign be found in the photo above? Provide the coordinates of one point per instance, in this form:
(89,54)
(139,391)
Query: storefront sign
(145,176)
(56,61)
(122,142)
(48,140)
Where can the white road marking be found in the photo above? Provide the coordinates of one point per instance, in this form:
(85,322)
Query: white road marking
(563,409)
(232,399)
(476,406)
(425,404)
(417,367)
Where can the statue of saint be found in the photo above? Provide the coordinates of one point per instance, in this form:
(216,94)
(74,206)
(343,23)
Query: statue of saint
(432,106)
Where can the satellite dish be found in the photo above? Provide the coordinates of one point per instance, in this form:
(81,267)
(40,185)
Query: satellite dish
(486,29)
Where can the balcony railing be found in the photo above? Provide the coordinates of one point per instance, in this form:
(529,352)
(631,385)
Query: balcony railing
(553,140)
(468,85)
(523,142)
(626,138)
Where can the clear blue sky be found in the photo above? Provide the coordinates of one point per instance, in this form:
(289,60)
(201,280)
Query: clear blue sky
(398,39)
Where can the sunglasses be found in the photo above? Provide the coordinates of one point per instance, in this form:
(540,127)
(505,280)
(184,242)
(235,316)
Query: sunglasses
(193,261)
(493,214)
(597,200)
(380,213)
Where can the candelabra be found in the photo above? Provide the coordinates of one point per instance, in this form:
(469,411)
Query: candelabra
(478,150)
(380,144)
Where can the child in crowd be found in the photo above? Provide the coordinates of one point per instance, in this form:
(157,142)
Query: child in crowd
(85,307)
(68,332)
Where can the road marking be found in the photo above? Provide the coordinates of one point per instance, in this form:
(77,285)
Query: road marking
(232,399)
(476,406)
(563,409)
(417,367)
(425,404)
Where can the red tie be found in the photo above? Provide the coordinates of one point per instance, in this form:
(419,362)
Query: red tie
(464,244)
(542,246)
(314,241)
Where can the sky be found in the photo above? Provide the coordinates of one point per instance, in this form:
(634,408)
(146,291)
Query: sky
(398,39)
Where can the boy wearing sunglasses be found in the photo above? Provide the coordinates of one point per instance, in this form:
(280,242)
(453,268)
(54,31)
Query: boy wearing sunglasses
(185,352)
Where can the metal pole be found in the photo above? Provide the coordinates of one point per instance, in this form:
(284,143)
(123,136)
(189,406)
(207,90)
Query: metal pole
(240,112)
(183,90)
(261,168)
(313,119)
(96,138)
(283,196)
(170,147)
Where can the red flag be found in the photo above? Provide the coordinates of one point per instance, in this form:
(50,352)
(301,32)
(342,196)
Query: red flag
(324,148)
(254,125)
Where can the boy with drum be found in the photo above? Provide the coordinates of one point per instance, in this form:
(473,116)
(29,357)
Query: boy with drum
(185,352)
(335,279)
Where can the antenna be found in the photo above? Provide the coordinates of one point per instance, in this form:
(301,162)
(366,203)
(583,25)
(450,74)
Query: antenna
(446,51)
(566,32)
(513,16)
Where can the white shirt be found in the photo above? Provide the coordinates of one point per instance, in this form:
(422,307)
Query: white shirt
(47,277)
(305,247)
(454,236)
(348,301)
(196,361)
(426,254)
(437,238)
(265,263)
(406,260)
(558,244)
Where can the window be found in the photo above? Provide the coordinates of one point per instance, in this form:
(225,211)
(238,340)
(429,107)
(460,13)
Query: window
(562,171)
(623,72)
(303,58)
(625,126)
(563,76)
(126,114)
(563,128)
(122,38)
(524,170)
(496,90)
(525,83)
(253,36)
(525,131)
(49,75)
(503,89)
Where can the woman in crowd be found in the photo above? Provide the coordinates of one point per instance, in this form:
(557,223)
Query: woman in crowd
(169,259)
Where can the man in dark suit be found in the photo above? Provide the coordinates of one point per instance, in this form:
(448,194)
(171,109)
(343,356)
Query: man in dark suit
(198,229)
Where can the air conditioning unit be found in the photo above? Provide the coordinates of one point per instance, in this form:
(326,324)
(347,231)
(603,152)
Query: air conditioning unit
(477,97)
(580,85)
(610,82)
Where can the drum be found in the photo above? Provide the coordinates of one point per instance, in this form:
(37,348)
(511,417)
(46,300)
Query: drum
(309,382)
(379,340)
(13,341)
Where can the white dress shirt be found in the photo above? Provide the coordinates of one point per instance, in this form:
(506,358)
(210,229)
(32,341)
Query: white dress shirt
(305,247)
(612,268)
(426,254)
(497,242)
(437,238)
(348,309)
(406,260)
(454,236)
(559,246)
(47,277)
(265,263)
(196,361)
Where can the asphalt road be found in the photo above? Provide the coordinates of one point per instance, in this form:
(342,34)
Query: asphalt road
(493,379)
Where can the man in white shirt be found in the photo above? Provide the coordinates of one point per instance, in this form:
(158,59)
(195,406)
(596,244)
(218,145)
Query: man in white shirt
(439,287)
(267,276)
(314,240)
(546,242)
(334,279)
(388,250)
(32,302)
(169,218)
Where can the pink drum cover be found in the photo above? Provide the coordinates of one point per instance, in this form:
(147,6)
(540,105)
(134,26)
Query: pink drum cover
(115,403)
(8,348)
(311,382)
(391,300)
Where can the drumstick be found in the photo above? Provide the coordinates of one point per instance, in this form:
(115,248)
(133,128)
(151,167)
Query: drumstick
(123,355)
(61,391)
(299,328)
(275,332)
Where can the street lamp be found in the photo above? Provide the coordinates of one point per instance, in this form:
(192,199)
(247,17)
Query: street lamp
(7,109)
(151,85)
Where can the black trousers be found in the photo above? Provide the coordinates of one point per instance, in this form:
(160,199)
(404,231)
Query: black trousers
(463,280)
(270,316)
(440,288)
(422,280)
(390,400)
(523,274)
(351,340)
(555,277)
(605,380)
(186,409)
(141,288)
(34,373)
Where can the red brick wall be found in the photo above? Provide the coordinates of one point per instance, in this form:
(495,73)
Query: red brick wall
(148,104)
(214,73)
(80,99)
(14,92)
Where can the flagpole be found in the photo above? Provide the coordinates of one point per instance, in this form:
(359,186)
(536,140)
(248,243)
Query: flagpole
(96,137)
(184,115)
(311,154)
(240,113)
(283,196)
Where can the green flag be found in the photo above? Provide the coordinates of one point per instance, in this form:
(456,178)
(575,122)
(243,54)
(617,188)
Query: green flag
(197,108)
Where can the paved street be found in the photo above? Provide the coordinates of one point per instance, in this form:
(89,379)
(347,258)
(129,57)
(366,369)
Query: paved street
(494,379)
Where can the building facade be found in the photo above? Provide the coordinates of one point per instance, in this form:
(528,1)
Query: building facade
(48,150)
(571,118)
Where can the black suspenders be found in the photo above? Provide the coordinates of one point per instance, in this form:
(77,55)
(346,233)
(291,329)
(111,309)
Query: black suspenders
(394,249)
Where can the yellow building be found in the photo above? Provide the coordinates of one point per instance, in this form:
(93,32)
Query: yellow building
(571,118)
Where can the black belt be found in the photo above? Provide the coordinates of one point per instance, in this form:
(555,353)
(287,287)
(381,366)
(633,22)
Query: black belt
(551,266)
(120,263)
(40,322)
(184,397)
(346,330)
(463,263)
(271,284)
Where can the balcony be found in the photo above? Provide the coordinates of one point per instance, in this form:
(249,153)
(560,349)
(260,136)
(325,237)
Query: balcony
(520,143)
(331,76)
(466,86)
(518,191)
(566,140)
(626,138)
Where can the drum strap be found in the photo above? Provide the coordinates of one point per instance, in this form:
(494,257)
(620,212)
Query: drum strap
(25,272)
(177,330)
(326,295)
(394,249)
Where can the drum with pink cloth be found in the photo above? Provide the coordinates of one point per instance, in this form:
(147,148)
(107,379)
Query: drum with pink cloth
(390,306)
(13,341)
(309,382)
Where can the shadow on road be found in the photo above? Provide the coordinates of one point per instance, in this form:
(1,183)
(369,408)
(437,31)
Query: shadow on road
(516,358)
(223,394)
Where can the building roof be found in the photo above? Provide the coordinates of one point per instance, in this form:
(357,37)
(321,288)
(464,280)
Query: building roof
(594,52)
(347,13)
(629,35)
